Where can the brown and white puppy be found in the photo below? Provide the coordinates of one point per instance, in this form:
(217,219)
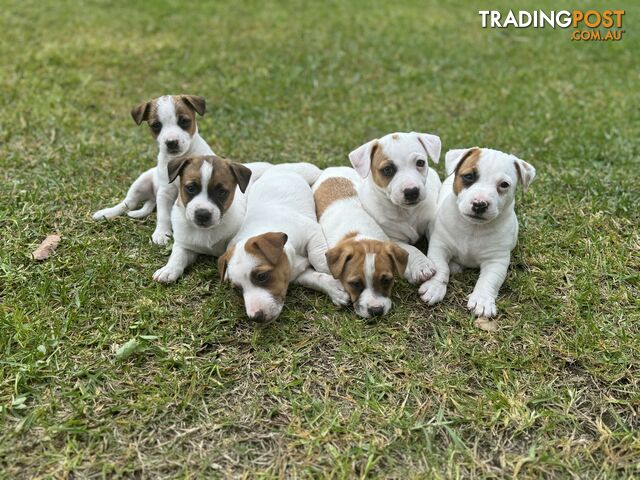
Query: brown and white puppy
(400,191)
(208,211)
(279,242)
(476,223)
(172,122)
(360,254)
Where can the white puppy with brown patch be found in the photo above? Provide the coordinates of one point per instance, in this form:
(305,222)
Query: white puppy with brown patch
(279,242)
(476,223)
(172,121)
(400,191)
(360,254)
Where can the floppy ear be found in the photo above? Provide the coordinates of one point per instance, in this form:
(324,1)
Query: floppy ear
(453,158)
(431,145)
(398,256)
(175,167)
(337,257)
(526,172)
(242,175)
(270,244)
(196,103)
(361,158)
(224,260)
(141,112)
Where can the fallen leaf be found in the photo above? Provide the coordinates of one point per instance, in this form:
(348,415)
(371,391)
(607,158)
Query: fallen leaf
(483,323)
(128,349)
(46,248)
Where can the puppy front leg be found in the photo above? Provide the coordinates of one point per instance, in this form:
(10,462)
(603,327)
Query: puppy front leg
(419,267)
(316,250)
(483,299)
(165,198)
(323,282)
(179,259)
(433,290)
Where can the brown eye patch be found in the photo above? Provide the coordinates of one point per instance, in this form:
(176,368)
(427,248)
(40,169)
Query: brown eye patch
(271,274)
(382,167)
(185,114)
(466,173)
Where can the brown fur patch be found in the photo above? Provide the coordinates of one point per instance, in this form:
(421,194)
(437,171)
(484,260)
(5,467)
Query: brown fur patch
(379,161)
(224,260)
(332,189)
(185,111)
(466,165)
(347,263)
(268,249)
(223,179)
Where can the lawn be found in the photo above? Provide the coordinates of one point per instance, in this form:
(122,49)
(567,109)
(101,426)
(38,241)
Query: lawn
(555,392)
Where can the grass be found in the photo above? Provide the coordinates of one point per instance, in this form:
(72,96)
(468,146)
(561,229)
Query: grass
(320,393)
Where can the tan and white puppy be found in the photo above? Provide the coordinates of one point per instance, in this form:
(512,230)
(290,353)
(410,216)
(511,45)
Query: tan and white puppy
(208,211)
(172,121)
(400,191)
(279,242)
(360,254)
(476,223)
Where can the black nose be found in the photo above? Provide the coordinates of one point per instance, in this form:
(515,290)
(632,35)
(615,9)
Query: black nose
(203,216)
(479,207)
(172,145)
(375,311)
(411,194)
(258,317)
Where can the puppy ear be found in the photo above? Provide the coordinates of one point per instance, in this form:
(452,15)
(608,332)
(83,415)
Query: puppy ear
(141,112)
(242,175)
(526,172)
(361,157)
(431,145)
(196,103)
(453,158)
(270,245)
(399,257)
(223,261)
(337,257)
(175,167)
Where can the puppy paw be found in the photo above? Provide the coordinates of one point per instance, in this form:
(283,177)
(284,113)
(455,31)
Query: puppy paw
(420,271)
(166,275)
(336,292)
(161,236)
(432,291)
(103,214)
(482,305)
(140,213)
(455,268)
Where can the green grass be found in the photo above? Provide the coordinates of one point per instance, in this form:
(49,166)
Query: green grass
(319,393)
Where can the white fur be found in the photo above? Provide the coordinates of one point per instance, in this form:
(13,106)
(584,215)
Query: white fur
(152,187)
(483,241)
(282,201)
(402,222)
(191,239)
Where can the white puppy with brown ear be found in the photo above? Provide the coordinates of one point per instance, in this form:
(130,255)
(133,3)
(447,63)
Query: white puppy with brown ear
(279,242)
(476,223)
(172,121)
(360,254)
(400,191)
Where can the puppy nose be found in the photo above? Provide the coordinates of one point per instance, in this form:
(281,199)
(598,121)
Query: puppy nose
(258,317)
(411,194)
(172,144)
(375,311)
(202,215)
(479,206)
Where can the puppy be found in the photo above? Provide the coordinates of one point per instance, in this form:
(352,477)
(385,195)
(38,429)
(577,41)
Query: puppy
(476,224)
(360,254)
(172,121)
(209,209)
(400,191)
(279,242)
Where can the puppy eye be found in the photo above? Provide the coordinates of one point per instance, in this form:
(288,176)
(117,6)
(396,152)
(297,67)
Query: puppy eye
(357,285)
(469,177)
(388,171)
(191,188)
(504,185)
(156,127)
(420,163)
(386,281)
(184,123)
(260,278)
(222,193)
